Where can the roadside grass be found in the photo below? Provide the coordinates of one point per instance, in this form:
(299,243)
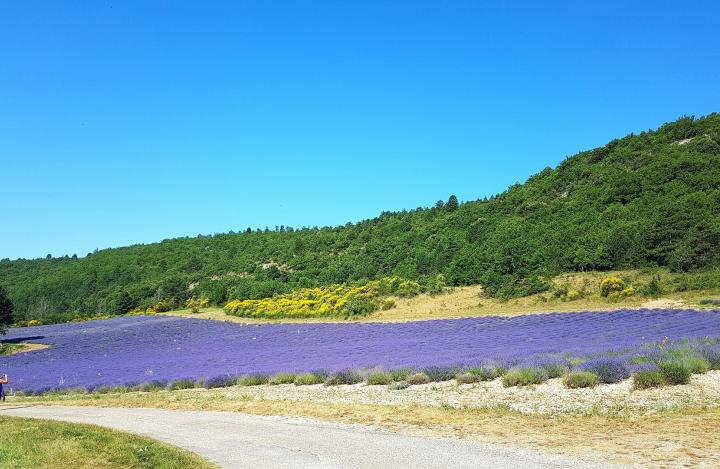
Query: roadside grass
(31,443)
(688,437)
(470,301)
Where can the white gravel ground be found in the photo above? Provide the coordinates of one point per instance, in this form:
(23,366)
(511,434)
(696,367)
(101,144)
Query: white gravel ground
(547,398)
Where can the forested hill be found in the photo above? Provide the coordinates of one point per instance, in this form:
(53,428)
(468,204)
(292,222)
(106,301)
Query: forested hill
(647,199)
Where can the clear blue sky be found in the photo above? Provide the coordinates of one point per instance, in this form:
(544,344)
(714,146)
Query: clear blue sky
(124,122)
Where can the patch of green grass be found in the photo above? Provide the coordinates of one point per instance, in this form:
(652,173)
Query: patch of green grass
(30,443)
(9,349)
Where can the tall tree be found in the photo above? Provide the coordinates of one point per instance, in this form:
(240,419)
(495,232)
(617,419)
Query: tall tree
(6,310)
(452,203)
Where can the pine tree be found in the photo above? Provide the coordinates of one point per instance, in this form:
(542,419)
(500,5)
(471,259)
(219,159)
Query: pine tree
(452,204)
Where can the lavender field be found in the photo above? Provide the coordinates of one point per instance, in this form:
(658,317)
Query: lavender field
(138,349)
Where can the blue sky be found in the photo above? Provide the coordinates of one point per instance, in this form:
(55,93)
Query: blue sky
(129,122)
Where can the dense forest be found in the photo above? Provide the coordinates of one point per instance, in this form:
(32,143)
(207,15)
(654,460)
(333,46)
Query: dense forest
(651,199)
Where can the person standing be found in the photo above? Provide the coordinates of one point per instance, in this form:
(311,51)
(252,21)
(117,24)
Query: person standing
(3,380)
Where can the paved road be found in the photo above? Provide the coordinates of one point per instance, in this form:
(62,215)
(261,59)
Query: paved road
(236,440)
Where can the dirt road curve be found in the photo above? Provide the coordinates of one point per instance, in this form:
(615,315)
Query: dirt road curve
(236,440)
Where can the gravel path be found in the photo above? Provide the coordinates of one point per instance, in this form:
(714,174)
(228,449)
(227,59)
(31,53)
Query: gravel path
(236,440)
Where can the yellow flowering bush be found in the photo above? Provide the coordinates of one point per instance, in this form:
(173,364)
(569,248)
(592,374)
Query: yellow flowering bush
(329,300)
(196,304)
(573,295)
(610,285)
(160,307)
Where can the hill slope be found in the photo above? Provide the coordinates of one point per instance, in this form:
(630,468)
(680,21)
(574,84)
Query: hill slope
(643,200)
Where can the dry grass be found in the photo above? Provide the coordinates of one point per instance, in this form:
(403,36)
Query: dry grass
(12,349)
(669,439)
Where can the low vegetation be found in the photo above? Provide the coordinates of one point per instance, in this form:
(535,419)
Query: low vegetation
(59,445)
(581,379)
(333,300)
(308,379)
(524,377)
(646,379)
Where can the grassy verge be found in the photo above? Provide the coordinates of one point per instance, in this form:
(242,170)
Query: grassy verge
(13,348)
(30,443)
(688,437)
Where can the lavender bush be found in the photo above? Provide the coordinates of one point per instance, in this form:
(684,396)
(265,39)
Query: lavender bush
(608,369)
(143,349)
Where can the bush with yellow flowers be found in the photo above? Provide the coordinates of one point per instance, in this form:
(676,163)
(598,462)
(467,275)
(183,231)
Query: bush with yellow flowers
(196,304)
(610,285)
(330,300)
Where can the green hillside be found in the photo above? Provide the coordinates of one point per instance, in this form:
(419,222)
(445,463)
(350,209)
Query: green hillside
(651,199)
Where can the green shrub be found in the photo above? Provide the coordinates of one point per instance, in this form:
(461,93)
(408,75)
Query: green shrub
(400,374)
(184,383)
(408,288)
(675,372)
(152,386)
(690,357)
(441,372)
(388,304)
(652,288)
(307,379)
(696,364)
(467,378)
(709,301)
(581,379)
(283,378)
(647,379)
(382,377)
(555,370)
(253,380)
(418,378)
(524,377)
(344,377)
(485,373)
(399,385)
